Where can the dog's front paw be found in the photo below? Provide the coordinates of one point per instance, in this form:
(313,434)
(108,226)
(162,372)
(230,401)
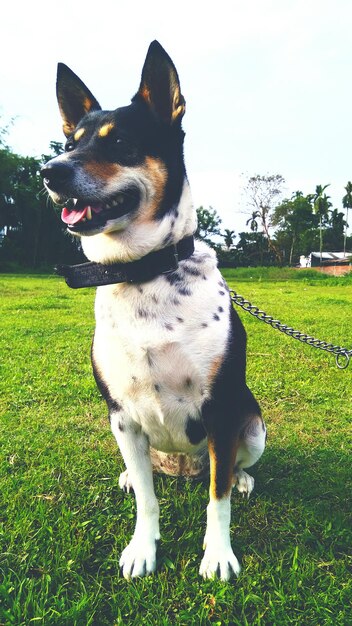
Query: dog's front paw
(139,557)
(219,561)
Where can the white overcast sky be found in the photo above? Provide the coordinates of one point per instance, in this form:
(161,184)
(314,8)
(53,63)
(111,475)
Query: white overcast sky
(267,83)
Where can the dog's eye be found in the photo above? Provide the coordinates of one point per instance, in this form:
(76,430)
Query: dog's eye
(69,146)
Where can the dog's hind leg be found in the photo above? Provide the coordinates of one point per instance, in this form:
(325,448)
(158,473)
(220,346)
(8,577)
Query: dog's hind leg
(251,447)
(139,557)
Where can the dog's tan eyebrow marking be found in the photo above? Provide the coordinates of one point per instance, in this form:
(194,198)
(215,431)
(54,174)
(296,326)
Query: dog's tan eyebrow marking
(105,129)
(79,133)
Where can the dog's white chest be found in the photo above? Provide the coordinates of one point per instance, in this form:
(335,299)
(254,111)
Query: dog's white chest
(156,347)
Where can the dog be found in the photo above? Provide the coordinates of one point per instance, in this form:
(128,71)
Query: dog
(169,351)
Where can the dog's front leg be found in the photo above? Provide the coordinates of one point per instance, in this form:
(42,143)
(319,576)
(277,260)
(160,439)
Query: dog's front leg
(219,558)
(139,557)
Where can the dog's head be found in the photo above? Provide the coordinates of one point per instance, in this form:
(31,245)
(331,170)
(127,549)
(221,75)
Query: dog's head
(122,178)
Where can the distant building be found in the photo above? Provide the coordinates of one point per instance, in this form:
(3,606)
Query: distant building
(331,262)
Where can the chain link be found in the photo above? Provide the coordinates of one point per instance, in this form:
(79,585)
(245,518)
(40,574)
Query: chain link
(342,355)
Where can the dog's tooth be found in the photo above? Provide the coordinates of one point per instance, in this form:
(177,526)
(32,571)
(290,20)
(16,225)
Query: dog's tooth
(89,213)
(118,200)
(74,200)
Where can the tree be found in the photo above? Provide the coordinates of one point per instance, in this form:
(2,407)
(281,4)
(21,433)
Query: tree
(347,204)
(334,233)
(294,217)
(321,205)
(252,250)
(208,225)
(263,193)
(4,131)
(32,234)
(228,236)
(253,221)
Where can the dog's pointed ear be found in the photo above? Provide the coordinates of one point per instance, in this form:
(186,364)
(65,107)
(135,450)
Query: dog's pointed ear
(160,86)
(74,98)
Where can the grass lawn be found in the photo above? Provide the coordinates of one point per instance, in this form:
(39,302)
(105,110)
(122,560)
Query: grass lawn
(64,521)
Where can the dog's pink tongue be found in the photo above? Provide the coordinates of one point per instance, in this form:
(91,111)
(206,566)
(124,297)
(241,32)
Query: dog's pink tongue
(72,217)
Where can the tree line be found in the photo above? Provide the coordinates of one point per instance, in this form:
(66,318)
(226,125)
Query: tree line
(31,232)
(278,230)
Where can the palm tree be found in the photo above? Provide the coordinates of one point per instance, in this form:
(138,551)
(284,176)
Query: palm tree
(253,221)
(347,204)
(228,237)
(321,205)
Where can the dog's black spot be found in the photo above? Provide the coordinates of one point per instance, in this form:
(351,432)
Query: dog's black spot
(180,400)
(220,309)
(134,379)
(140,288)
(143,313)
(149,358)
(204,277)
(172,223)
(174,277)
(188,382)
(196,259)
(169,327)
(193,271)
(168,239)
(121,426)
(180,319)
(221,293)
(184,291)
(204,325)
(195,431)
(216,317)
(157,388)
(155,299)
(115,407)
(175,301)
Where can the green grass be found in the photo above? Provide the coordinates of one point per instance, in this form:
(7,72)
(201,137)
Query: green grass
(64,521)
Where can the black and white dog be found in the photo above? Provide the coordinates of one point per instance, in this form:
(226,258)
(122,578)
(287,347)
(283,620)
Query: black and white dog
(169,352)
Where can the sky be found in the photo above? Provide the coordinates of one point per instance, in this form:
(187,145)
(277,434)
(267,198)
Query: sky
(267,84)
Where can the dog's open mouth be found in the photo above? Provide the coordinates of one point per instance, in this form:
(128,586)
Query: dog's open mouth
(82,215)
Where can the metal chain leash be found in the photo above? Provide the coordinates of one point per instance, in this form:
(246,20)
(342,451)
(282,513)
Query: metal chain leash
(342,355)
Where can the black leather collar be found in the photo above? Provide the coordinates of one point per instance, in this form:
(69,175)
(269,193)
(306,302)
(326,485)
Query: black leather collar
(153,264)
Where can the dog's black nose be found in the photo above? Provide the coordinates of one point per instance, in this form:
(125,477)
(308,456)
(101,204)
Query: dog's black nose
(55,175)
